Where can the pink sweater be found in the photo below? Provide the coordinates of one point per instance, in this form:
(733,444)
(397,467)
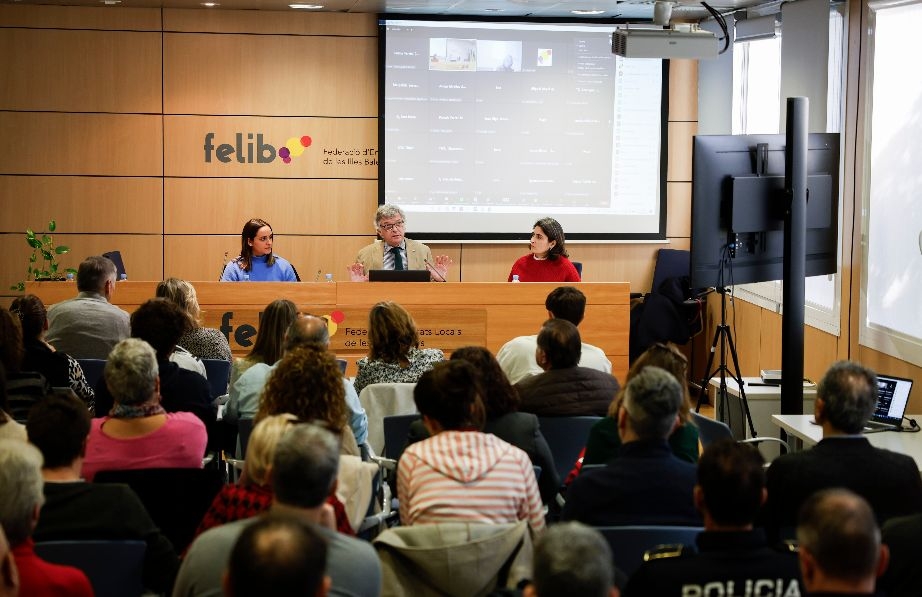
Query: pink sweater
(467,476)
(180,443)
(530,269)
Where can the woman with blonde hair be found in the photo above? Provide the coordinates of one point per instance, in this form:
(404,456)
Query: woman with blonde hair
(394,355)
(253,494)
(308,383)
(205,343)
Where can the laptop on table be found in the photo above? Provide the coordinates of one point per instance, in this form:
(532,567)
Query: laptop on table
(892,400)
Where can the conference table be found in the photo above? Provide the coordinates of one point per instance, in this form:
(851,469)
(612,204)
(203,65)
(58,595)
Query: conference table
(805,429)
(448,315)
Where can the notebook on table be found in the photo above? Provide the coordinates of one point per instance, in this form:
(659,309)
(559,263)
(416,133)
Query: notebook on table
(398,275)
(892,400)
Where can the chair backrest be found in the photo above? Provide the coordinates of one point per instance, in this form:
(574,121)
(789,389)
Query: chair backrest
(244,429)
(384,399)
(670,263)
(579,267)
(396,429)
(114,568)
(218,372)
(629,543)
(23,390)
(566,436)
(343,363)
(92,370)
(175,498)
(710,430)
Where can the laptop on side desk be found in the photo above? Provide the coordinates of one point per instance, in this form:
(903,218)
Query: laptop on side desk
(892,401)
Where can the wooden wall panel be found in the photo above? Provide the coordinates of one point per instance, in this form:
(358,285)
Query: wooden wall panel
(683,90)
(185,138)
(678,210)
(83,204)
(222,205)
(269,22)
(680,151)
(98,144)
(63,71)
(270,75)
(79,17)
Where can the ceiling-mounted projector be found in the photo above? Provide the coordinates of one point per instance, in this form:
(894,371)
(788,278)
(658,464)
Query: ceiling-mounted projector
(656,42)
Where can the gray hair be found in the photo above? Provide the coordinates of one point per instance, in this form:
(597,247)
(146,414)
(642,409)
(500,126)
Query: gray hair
(131,372)
(388,211)
(93,273)
(652,400)
(305,465)
(573,559)
(22,484)
(308,330)
(849,392)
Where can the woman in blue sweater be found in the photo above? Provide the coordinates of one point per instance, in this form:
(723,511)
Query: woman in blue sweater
(256,262)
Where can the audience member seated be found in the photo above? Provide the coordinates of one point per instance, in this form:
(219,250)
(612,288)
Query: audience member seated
(160,323)
(903,577)
(308,383)
(60,369)
(303,477)
(394,355)
(604,443)
(564,389)
(839,544)
(75,510)
(204,343)
(278,555)
(269,343)
(732,556)
(501,402)
(89,326)
(21,389)
(308,330)
(890,482)
(9,575)
(253,494)
(9,428)
(138,432)
(20,504)
(517,357)
(461,474)
(647,483)
(572,559)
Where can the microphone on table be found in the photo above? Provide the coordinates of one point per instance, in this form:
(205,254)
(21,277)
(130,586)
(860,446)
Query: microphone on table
(432,270)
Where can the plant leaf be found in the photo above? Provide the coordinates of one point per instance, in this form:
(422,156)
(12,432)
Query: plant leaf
(52,225)
(33,242)
(29,233)
(47,255)
(32,258)
(60,250)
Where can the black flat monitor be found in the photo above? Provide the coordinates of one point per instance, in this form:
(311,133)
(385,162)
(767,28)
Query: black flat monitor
(402,275)
(739,202)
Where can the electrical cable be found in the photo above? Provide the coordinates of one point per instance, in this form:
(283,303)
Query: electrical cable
(723,25)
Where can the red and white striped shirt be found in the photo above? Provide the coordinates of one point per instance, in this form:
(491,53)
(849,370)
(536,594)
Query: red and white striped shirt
(467,476)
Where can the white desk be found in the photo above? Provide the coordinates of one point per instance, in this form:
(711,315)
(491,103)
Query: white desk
(764,401)
(803,428)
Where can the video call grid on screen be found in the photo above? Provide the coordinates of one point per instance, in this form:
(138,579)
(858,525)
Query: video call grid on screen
(489,126)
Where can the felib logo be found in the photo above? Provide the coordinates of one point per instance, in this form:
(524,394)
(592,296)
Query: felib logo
(253,150)
(333,320)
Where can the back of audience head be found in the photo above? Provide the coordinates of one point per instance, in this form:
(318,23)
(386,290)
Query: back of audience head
(22,494)
(498,395)
(305,466)
(731,484)
(94,273)
(131,372)
(840,545)
(665,356)
(33,317)
(560,343)
(161,323)
(566,302)
(273,325)
(308,330)
(391,332)
(307,383)
(277,556)
(183,294)
(10,341)
(572,559)
(449,394)
(261,448)
(848,393)
(651,403)
(59,426)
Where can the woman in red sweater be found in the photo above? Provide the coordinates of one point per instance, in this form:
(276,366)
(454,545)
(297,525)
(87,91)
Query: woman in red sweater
(548,260)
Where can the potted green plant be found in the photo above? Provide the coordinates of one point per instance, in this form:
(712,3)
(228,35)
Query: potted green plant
(43,263)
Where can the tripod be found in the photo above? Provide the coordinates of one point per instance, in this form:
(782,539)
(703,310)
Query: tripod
(723,336)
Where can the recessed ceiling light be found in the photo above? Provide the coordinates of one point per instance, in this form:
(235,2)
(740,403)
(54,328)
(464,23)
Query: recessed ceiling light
(306,6)
(587,13)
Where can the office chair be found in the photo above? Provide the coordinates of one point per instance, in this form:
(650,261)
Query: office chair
(629,544)
(566,436)
(114,568)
